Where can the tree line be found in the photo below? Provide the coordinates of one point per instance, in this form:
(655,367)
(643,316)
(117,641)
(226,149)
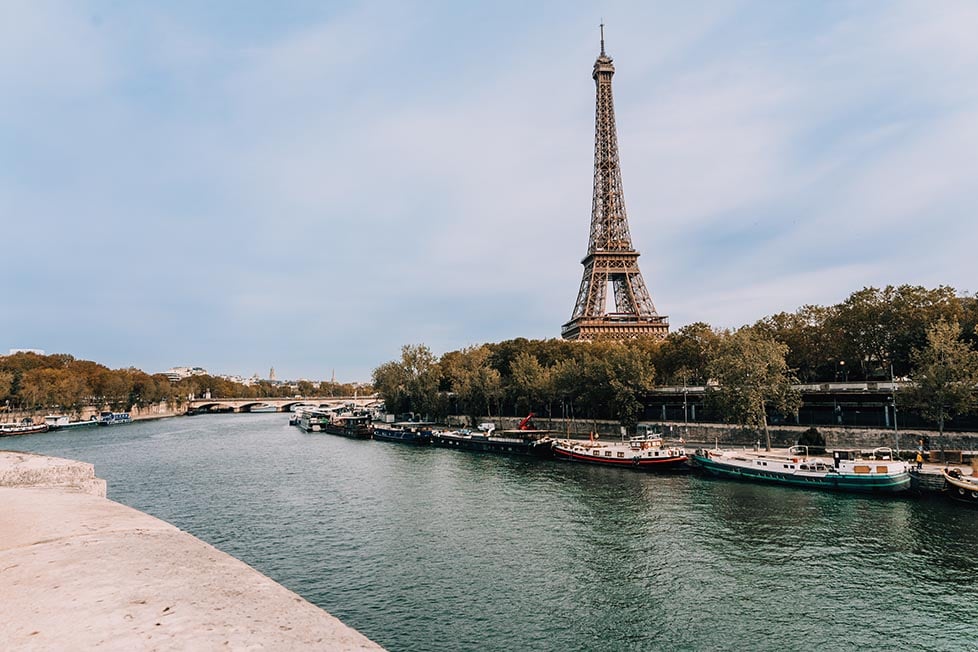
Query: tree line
(30,382)
(925,335)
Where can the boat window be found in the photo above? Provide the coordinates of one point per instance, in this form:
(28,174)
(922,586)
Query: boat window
(607,453)
(882,469)
(597,452)
(620,454)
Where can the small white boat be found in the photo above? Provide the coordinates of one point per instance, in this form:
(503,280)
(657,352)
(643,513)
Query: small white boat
(960,487)
(263,407)
(113,418)
(25,427)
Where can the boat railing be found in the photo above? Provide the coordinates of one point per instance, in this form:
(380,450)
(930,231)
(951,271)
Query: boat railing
(882,453)
(798,450)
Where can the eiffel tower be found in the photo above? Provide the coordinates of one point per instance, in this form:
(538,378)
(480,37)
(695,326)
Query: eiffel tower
(610,257)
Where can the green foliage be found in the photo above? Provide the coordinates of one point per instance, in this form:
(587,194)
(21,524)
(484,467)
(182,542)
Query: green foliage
(683,356)
(589,380)
(812,352)
(874,328)
(474,385)
(945,374)
(751,376)
(412,384)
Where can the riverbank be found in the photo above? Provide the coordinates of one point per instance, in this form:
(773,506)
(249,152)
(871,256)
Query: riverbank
(159,410)
(80,571)
(782,436)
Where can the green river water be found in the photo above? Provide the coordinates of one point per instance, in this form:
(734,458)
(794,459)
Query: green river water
(434,549)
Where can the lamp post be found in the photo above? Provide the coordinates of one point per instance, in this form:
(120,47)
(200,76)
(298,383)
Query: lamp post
(685,419)
(842,363)
(896,433)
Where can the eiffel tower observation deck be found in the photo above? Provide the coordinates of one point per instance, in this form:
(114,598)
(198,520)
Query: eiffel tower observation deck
(611,260)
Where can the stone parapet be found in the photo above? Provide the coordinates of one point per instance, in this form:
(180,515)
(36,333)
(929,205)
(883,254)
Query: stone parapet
(78,571)
(30,470)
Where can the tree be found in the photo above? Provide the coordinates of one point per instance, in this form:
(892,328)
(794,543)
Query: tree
(684,354)
(613,379)
(423,378)
(528,381)
(390,381)
(411,383)
(567,375)
(752,376)
(945,375)
(876,328)
(812,348)
(6,385)
(468,376)
(630,376)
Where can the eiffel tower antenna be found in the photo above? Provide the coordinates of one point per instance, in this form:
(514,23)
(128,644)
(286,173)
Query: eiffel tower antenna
(611,259)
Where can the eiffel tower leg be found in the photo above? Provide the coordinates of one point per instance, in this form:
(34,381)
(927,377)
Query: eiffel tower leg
(592,292)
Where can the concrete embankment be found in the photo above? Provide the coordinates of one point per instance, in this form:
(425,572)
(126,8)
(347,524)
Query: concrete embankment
(78,571)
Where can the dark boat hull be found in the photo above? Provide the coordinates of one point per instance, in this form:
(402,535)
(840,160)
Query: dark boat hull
(403,436)
(352,433)
(533,448)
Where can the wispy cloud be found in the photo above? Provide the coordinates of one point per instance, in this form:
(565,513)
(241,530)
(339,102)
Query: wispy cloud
(314,189)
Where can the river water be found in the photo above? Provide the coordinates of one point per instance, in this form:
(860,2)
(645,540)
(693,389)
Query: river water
(435,549)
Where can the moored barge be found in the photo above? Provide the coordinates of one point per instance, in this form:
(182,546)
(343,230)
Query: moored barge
(353,426)
(404,432)
(643,452)
(536,443)
(847,471)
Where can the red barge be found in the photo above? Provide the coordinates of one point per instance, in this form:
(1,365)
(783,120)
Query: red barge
(642,452)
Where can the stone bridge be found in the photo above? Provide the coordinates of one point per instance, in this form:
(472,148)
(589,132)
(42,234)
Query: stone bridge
(204,405)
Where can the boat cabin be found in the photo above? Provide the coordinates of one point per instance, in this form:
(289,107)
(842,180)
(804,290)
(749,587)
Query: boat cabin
(56,420)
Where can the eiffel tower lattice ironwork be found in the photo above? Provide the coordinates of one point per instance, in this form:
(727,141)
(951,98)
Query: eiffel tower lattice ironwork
(610,257)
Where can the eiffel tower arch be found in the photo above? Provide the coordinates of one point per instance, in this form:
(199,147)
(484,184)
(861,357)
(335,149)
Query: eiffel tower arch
(611,260)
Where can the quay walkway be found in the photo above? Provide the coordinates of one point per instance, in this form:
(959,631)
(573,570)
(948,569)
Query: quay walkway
(79,571)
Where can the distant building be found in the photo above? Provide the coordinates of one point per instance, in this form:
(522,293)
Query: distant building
(37,351)
(176,374)
(271,373)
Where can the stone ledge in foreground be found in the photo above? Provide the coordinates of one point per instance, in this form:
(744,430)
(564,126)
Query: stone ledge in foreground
(32,470)
(78,572)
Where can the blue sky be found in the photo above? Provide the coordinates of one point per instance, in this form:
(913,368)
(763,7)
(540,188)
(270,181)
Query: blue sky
(310,185)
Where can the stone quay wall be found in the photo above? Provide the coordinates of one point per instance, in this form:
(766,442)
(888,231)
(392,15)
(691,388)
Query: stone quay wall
(707,434)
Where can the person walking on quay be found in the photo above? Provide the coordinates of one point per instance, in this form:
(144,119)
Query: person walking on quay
(920,460)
